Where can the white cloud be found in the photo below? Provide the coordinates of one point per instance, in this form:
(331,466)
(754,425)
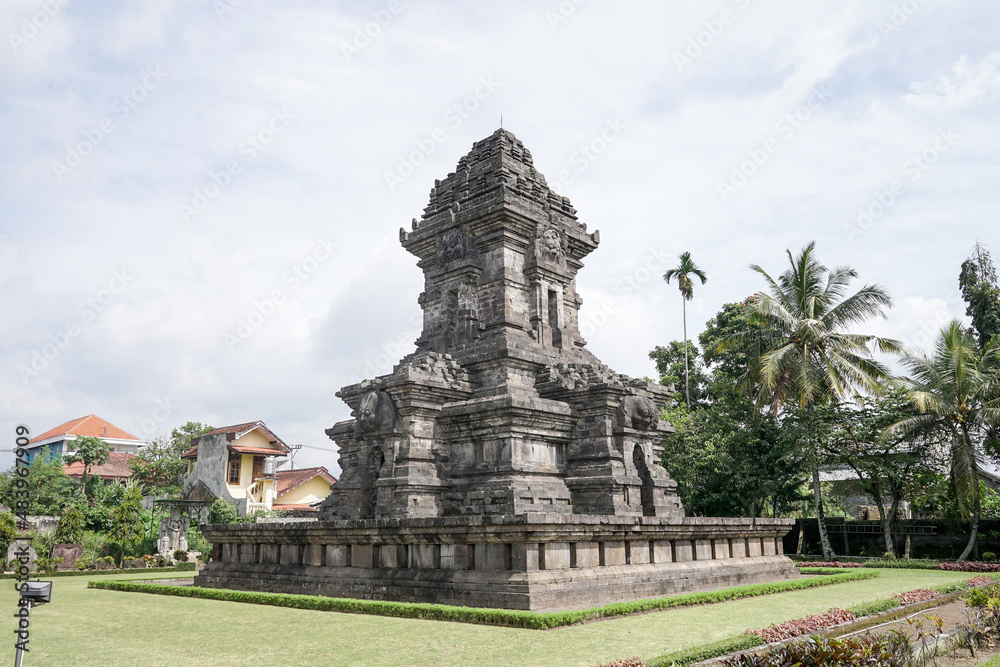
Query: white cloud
(969,83)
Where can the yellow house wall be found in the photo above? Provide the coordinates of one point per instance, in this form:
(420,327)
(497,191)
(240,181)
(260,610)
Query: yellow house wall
(252,439)
(313,490)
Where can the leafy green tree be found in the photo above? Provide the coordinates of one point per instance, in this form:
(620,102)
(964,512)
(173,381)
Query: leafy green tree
(70,528)
(957,391)
(888,468)
(90,451)
(683,273)
(669,362)
(726,461)
(159,466)
(799,351)
(978,280)
(126,519)
(8,532)
(48,487)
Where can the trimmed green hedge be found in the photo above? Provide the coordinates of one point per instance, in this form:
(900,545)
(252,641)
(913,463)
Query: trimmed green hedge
(504,617)
(707,651)
(180,567)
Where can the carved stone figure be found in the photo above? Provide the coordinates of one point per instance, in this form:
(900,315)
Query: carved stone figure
(638,412)
(550,245)
(456,244)
(376,412)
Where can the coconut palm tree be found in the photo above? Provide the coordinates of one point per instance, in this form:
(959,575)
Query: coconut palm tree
(801,352)
(683,272)
(957,390)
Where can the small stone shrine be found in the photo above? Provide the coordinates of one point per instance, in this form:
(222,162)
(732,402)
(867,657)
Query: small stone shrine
(501,464)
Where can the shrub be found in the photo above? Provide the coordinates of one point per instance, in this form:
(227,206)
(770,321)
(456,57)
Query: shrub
(223,512)
(803,626)
(84,563)
(918,595)
(182,567)
(819,563)
(69,530)
(8,531)
(626,662)
(900,564)
(989,555)
(47,565)
(981,580)
(180,556)
(968,566)
(889,650)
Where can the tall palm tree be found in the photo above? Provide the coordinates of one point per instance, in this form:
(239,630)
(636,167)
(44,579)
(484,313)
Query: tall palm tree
(683,272)
(957,390)
(800,350)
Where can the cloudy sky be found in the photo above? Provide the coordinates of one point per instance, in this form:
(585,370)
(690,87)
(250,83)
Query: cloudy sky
(200,200)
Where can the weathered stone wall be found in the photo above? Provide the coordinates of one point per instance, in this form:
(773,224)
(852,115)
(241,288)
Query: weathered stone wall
(541,563)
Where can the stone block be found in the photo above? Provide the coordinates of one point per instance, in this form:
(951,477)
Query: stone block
(754,547)
(23,552)
(69,553)
(248,553)
(683,551)
(425,556)
(493,556)
(739,547)
(720,549)
(702,549)
(270,554)
(313,555)
(556,555)
(524,557)
(638,552)
(663,552)
(361,555)
(290,554)
(338,555)
(393,555)
(455,557)
(614,553)
(587,554)
(769,547)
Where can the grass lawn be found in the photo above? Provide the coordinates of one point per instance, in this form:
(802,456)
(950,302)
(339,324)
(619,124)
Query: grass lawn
(97,627)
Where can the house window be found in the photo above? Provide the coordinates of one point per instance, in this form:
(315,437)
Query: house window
(234,471)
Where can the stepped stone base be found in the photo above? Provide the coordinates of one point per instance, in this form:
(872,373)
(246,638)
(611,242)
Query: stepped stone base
(537,562)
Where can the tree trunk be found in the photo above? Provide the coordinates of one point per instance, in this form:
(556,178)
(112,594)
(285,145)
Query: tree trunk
(885,519)
(687,384)
(824,539)
(974,528)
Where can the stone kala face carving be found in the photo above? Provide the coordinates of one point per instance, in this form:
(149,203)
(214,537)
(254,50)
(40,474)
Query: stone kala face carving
(550,246)
(638,412)
(456,244)
(376,412)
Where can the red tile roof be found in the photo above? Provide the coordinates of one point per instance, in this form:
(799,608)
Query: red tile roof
(91,425)
(295,507)
(119,466)
(290,479)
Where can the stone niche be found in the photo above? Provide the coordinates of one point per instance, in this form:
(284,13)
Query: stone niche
(501,464)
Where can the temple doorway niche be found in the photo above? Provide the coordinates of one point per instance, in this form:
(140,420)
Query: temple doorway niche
(376,459)
(646,491)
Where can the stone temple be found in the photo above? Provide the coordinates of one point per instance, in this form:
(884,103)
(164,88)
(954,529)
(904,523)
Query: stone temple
(501,464)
